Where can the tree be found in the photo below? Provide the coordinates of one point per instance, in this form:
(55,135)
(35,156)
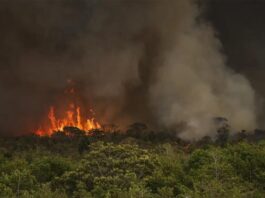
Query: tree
(108,168)
(73,131)
(46,168)
(18,181)
(213,175)
(222,136)
(248,161)
(169,178)
(138,130)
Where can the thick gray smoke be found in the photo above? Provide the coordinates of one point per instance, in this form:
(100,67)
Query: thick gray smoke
(151,61)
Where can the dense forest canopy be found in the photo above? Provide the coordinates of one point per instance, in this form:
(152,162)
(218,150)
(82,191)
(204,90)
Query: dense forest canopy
(133,164)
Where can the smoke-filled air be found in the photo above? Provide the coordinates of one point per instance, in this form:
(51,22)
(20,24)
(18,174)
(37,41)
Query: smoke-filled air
(156,62)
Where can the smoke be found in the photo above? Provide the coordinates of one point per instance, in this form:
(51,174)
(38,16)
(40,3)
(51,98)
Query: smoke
(157,62)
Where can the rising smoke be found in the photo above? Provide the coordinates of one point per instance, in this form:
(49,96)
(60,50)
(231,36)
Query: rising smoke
(151,61)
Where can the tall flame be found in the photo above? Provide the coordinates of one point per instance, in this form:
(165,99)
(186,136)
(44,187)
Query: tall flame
(72,118)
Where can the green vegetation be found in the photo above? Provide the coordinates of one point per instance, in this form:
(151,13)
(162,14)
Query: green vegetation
(119,166)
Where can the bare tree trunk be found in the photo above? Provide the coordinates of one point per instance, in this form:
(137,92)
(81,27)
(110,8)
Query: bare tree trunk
(18,185)
(215,158)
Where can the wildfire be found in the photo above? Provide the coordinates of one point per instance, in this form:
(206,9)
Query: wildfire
(72,118)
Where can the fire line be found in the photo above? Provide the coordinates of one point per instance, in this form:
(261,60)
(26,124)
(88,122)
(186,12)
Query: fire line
(72,118)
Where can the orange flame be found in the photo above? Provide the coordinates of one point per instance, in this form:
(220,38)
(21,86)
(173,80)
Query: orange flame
(72,118)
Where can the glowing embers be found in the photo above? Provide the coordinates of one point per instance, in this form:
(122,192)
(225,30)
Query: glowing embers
(71,117)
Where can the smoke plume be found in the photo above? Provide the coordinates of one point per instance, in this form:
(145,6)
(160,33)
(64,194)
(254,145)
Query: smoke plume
(157,62)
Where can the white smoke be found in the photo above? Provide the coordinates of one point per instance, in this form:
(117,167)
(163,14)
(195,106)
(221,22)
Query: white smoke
(194,86)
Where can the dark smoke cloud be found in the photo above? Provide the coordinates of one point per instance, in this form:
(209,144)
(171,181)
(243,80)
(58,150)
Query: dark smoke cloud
(241,31)
(157,62)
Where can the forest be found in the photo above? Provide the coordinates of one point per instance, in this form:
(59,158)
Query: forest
(137,163)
